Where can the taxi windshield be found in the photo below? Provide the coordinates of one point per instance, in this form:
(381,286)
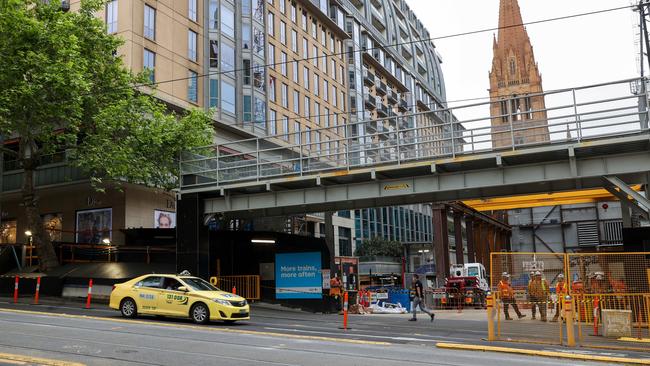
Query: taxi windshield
(198,284)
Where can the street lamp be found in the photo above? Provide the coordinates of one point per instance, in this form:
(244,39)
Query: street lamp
(28,233)
(106,241)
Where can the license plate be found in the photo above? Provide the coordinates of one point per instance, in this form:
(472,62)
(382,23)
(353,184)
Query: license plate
(242,311)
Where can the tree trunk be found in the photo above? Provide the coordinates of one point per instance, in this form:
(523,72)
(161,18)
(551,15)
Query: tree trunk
(46,255)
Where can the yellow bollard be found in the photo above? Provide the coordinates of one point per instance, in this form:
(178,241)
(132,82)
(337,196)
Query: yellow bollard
(568,315)
(490,314)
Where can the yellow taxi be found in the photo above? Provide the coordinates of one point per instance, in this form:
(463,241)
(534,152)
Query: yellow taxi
(177,296)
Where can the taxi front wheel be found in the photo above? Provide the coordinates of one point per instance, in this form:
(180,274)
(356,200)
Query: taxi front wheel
(128,308)
(200,313)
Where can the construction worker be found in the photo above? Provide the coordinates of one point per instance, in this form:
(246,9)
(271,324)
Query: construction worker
(538,291)
(507,296)
(335,291)
(561,292)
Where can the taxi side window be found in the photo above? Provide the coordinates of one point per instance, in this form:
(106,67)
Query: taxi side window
(171,284)
(151,282)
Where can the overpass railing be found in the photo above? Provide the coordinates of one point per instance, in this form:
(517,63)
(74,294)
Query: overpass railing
(501,124)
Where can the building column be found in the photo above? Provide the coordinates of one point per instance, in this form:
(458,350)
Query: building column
(329,238)
(440,242)
(192,237)
(458,235)
(469,233)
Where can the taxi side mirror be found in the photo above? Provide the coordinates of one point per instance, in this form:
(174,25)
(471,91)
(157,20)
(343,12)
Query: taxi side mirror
(182,288)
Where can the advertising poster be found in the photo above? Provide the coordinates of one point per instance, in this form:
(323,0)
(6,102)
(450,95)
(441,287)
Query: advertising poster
(298,276)
(93,226)
(164,219)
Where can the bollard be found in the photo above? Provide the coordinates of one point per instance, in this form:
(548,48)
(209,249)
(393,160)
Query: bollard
(568,316)
(345,310)
(38,289)
(596,308)
(16,290)
(490,314)
(90,292)
(234,290)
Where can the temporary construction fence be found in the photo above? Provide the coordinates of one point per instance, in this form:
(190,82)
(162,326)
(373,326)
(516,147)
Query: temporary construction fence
(247,287)
(608,298)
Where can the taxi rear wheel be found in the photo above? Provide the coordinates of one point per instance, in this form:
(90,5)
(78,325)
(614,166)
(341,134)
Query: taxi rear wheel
(128,308)
(200,313)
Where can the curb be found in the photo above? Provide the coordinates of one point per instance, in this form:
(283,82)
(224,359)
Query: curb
(552,354)
(20,359)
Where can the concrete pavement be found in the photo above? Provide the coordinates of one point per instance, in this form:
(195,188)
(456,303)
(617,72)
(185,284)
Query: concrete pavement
(110,340)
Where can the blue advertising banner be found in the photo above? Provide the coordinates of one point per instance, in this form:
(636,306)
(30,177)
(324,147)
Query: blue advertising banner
(298,276)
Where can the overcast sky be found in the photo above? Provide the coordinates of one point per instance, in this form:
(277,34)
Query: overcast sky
(579,51)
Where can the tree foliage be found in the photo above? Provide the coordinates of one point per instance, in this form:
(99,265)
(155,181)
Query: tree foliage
(379,247)
(63,90)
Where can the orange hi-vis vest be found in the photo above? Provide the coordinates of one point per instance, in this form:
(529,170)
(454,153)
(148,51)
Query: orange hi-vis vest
(505,290)
(560,289)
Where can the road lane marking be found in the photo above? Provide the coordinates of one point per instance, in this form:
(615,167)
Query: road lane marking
(23,360)
(196,327)
(530,352)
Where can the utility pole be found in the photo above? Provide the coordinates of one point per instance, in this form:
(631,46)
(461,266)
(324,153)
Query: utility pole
(644,50)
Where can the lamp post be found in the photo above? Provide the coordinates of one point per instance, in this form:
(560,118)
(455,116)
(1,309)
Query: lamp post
(30,238)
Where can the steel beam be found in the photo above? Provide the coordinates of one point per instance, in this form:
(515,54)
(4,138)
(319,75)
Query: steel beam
(440,242)
(636,196)
(552,176)
(458,237)
(469,228)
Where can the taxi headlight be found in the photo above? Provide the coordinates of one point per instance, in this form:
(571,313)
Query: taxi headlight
(222,302)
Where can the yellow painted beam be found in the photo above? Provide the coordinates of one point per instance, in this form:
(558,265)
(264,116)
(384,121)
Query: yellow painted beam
(545,199)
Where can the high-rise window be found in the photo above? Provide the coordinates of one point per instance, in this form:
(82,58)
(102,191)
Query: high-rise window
(246,36)
(293,12)
(283,63)
(271,54)
(316,84)
(305,77)
(248,115)
(283,93)
(227,57)
(214,14)
(214,53)
(296,130)
(191,45)
(317,140)
(192,9)
(247,72)
(193,87)
(323,61)
(285,128)
(227,97)
(305,49)
(111,17)
(317,112)
(149,63)
(272,123)
(283,5)
(294,68)
(149,22)
(307,109)
(335,95)
(326,117)
(314,29)
(314,51)
(214,93)
(270,23)
(303,24)
(227,21)
(296,102)
(283,32)
(294,41)
(246,7)
(308,137)
(326,90)
(272,89)
(333,67)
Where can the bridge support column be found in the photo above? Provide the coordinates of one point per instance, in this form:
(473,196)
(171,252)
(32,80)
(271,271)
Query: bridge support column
(192,237)
(440,242)
(329,238)
(458,237)
(469,233)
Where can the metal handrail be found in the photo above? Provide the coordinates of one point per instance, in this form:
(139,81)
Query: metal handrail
(587,117)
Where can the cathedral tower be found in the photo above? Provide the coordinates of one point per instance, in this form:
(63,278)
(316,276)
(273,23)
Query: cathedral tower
(518,111)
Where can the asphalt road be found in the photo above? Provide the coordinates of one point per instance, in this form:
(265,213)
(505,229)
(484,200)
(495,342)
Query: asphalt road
(100,337)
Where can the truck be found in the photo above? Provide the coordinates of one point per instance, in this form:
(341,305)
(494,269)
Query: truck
(467,285)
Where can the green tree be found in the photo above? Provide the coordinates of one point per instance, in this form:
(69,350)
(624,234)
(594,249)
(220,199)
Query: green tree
(63,90)
(379,247)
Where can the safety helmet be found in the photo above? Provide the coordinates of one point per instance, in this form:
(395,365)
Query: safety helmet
(560,275)
(505,274)
(538,273)
(599,275)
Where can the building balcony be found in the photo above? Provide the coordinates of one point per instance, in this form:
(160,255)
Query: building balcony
(370,102)
(380,88)
(392,97)
(402,105)
(382,110)
(368,78)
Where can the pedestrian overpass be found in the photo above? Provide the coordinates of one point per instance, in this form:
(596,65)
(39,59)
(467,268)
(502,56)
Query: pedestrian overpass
(593,136)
